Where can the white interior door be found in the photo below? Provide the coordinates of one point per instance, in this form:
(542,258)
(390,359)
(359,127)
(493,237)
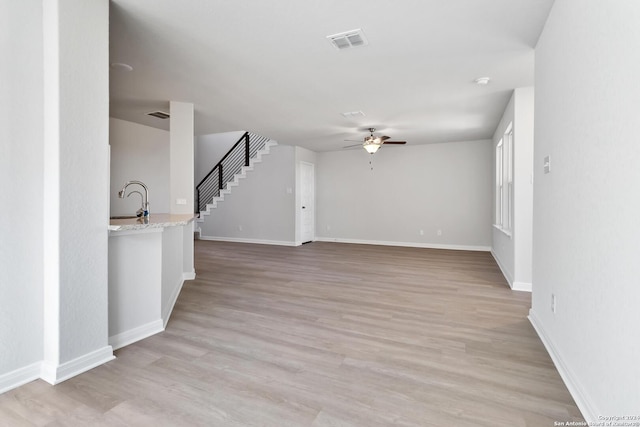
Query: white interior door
(307,199)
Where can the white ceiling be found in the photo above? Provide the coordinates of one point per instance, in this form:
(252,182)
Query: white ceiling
(267,67)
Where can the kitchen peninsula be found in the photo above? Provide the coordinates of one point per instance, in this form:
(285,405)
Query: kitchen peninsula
(149,260)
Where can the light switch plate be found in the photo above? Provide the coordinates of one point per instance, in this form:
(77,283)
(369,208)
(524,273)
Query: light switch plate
(547,164)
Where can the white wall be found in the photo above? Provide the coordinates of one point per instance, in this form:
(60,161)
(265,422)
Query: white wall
(433,187)
(262,207)
(209,150)
(512,250)
(587,209)
(502,245)
(139,153)
(76,176)
(181,154)
(523,186)
(21,183)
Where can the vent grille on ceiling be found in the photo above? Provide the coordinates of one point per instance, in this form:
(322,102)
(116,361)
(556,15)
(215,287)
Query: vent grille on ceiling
(348,39)
(352,114)
(159,114)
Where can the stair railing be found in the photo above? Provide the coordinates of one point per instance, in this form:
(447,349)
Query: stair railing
(224,171)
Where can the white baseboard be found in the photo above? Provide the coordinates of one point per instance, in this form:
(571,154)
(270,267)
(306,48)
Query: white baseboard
(245,240)
(586,406)
(166,314)
(56,374)
(19,377)
(514,285)
(522,286)
(505,272)
(191,275)
(405,244)
(136,334)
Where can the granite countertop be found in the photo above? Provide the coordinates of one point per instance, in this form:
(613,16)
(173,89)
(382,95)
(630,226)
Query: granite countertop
(158,220)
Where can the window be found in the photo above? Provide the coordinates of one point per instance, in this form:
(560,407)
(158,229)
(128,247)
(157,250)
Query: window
(504,181)
(499,181)
(508,161)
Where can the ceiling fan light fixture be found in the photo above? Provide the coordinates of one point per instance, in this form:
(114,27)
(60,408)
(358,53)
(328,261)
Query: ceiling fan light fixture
(371,146)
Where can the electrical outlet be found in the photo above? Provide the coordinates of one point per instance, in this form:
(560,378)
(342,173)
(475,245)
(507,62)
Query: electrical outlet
(422,232)
(439,232)
(239,228)
(553,303)
(181,201)
(328,228)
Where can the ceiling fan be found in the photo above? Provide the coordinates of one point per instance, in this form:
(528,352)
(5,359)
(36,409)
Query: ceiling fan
(373,143)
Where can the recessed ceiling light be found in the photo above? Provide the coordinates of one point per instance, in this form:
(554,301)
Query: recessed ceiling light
(121,66)
(483,81)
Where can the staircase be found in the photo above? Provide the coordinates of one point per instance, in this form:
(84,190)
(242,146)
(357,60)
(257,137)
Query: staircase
(230,170)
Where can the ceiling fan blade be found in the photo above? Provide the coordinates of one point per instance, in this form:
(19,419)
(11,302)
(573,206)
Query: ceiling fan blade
(354,140)
(354,145)
(395,142)
(384,138)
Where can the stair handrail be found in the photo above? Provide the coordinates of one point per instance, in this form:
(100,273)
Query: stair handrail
(246,138)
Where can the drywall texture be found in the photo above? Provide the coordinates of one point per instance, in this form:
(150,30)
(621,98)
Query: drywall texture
(262,207)
(139,153)
(80,104)
(586,227)
(209,150)
(21,183)
(502,245)
(404,190)
(513,250)
(523,185)
(181,183)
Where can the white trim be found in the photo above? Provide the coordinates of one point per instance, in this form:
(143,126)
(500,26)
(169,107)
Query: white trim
(300,242)
(584,403)
(504,271)
(514,285)
(19,377)
(503,230)
(136,334)
(56,374)
(405,244)
(172,302)
(522,286)
(245,240)
(189,275)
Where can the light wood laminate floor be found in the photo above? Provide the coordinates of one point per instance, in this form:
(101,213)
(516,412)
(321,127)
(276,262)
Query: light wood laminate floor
(325,334)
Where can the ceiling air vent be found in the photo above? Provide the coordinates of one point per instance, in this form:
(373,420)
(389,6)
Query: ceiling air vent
(348,39)
(159,114)
(351,115)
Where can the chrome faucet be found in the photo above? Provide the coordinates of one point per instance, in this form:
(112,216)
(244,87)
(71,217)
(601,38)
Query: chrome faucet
(139,212)
(145,200)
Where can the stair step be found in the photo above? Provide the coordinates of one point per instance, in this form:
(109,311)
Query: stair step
(236,179)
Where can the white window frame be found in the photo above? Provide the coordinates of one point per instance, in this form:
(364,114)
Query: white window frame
(499,185)
(504,182)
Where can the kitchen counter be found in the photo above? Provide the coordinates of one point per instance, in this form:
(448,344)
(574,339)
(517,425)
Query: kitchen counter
(160,220)
(148,264)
